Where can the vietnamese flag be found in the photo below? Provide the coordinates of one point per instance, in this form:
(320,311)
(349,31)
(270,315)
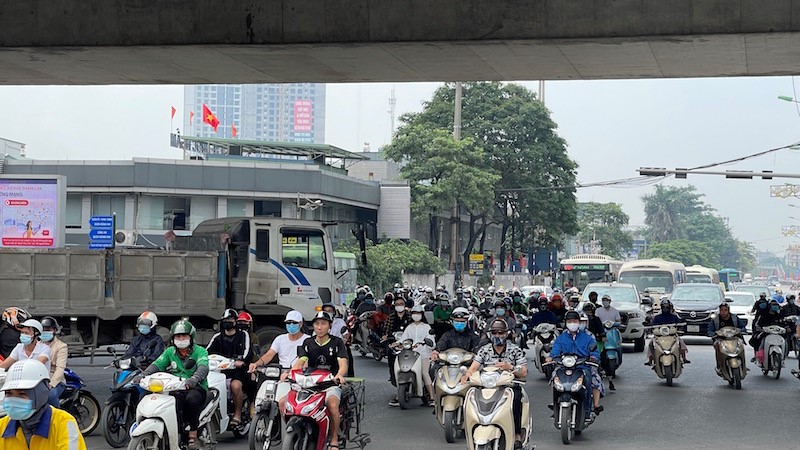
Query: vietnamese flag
(172,116)
(234,131)
(210,118)
(191,116)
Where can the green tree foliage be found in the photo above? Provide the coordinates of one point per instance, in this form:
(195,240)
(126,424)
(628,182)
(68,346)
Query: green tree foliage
(521,146)
(387,261)
(685,251)
(605,222)
(668,209)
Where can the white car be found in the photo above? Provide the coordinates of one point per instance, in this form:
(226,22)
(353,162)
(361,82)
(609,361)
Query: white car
(526,290)
(625,298)
(742,306)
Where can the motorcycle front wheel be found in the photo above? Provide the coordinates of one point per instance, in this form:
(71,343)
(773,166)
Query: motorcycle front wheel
(86,410)
(777,364)
(147,441)
(450,426)
(737,379)
(294,440)
(115,425)
(668,375)
(262,431)
(403,390)
(566,427)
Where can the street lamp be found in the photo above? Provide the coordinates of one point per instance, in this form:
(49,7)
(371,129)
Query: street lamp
(309,205)
(786,98)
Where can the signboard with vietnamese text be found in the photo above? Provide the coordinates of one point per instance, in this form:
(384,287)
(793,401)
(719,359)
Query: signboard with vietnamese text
(303,115)
(476,264)
(32,211)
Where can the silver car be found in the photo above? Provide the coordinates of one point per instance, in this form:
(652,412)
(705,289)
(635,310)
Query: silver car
(625,298)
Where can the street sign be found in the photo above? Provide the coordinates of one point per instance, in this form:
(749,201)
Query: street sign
(101,235)
(101,223)
(99,245)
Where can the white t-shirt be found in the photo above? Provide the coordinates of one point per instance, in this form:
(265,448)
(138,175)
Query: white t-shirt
(336,327)
(605,315)
(287,349)
(417,332)
(41,349)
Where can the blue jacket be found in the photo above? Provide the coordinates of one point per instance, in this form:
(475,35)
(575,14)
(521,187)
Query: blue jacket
(713,325)
(581,344)
(666,319)
(540,317)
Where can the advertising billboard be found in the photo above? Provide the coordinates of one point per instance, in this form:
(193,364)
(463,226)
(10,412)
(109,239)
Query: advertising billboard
(303,115)
(32,211)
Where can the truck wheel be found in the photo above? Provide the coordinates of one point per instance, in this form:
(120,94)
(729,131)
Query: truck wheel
(638,344)
(268,334)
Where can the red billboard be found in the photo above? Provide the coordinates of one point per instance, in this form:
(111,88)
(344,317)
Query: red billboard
(303,115)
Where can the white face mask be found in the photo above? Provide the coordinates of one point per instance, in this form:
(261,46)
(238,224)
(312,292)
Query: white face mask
(182,343)
(573,327)
(606,304)
(399,308)
(416,317)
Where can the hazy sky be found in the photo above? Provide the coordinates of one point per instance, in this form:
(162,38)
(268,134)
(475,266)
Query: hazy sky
(612,128)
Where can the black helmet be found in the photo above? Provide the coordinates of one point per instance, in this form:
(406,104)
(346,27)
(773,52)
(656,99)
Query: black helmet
(460,313)
(229,314)
(572,315)
(51,322)
(543,301)
(498,325)
(499,302)
(588,308)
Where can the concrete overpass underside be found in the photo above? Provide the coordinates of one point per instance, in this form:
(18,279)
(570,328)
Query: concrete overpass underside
(251,41)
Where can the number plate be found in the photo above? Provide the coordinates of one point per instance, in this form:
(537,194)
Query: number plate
(692,328)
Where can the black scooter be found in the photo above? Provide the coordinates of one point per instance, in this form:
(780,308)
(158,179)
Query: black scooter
(572,395)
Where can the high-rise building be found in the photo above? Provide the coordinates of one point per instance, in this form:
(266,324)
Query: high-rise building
(288,112)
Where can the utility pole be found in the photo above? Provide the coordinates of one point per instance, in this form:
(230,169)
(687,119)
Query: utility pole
(392,106)
(541,91)
(454,215)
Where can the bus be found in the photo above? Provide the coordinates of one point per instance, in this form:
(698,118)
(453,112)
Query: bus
(346,272)
(656,275)
(580,270)
(700,274)
(729,277)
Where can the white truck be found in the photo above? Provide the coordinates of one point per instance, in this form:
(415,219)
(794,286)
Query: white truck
(267,266)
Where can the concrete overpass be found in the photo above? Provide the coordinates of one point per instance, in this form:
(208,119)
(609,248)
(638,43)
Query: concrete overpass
(253,41)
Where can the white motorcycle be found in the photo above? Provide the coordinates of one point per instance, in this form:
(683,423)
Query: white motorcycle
(218,364)
(157,425)
(408,371)
(265,430)
(774,348)
(545,335)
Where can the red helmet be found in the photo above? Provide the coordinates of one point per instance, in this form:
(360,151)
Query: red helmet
(244,316)
(556,296)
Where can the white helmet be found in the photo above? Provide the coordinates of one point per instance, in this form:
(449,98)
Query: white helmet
(147,316)
(25,374)
(33,323)
(418,309)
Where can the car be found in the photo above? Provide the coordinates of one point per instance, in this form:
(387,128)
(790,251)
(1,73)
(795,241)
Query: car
(625,298)
(755,289)
(526,290)
(742,305)
(697,305)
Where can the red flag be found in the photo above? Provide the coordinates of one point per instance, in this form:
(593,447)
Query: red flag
(234,131)
(191,116)
(173,112)
(210,118)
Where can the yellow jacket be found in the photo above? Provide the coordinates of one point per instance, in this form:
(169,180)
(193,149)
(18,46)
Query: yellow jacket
(57,430)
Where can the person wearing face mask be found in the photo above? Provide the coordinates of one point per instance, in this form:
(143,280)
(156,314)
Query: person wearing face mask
(790,308)
(397,321)
(367,305)
(771,317)
(189,403)
(9,329)
(244,322)
(361,295)
(593,297)
(607,312)
(557,306)
(723,319)
(59,352)
(461,336)
(760,307)
(516,303)
(542,315)
(418,331)
(235,344)
(441,315)
(500,352)
(593,323)
(582,344)
(387,307)
(666,317)
(148,345)
(30,421)
(30,345)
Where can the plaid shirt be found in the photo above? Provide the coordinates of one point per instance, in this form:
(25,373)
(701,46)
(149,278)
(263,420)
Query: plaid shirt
(512,354)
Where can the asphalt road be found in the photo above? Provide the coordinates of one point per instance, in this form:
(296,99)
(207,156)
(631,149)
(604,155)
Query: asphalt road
(700,411)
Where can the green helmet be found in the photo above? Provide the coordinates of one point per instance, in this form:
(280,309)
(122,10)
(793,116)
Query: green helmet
(183,326)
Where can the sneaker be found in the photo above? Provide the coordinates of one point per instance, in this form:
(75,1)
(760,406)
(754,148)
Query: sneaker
(518,445)
(598,410)
(686,361)
(648,363)
(394,403)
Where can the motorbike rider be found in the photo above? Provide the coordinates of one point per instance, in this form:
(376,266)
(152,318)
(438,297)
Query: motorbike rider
(500,311)
(557,306)
(285,345)
(30,421)
(667,317)
(760,307)
(607,312)
(542,315)
(368,304)
(771,317)
(325,352)
(244,322)
(505,355)
(418,331)
(235,344)
(594,325)
(9,329)
(397,321)
(361,295)
(30,345)
(182,348)
(59,352)
(340,330)
(723,319)
(461,336)
(517,306)
(778,297)
(573,302)
(579,343)
(790,308)
(441,315)
(593,297)
(387,306)
(148,345)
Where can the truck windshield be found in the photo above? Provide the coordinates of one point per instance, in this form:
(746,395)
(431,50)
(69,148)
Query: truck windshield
(303,248)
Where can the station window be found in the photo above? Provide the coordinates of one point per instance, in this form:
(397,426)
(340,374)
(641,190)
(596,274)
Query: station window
(301,248)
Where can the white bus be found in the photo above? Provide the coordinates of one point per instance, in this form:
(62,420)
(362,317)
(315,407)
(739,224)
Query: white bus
(700,274)
(656,275)
(580,270)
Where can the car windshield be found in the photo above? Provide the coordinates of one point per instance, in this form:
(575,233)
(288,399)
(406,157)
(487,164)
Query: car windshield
(741,298)
(653,280)
(754,289)
(620,296)
(696,293)
(698,278)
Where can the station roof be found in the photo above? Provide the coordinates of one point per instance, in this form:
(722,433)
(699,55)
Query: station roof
(221,146)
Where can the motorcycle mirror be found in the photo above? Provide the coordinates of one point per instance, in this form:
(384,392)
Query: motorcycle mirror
(110,349)
(647,301)
(728,300)
(151,345)
(431,332)
(344,330)
(428,342)
(189,365)
(462,369)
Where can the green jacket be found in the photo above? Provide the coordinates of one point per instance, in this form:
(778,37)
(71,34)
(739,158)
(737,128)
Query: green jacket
(170,356)
(442,314)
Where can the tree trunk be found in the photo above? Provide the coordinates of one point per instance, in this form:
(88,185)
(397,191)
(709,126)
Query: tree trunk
(484,227)
(439,240)
(503,234)
(473,236)
(432,233)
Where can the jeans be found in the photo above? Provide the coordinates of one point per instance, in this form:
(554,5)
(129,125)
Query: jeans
(55,394)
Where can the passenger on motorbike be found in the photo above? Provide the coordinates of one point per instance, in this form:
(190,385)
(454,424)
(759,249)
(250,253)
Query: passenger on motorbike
(30,345)
(667,317)
(285,345)
(516,303)
(443,310)
(148,345)
(505,355)
(235,344)
(244,322)
(325,352)
(771,317)
(189,403)
(723,319)
(778,297)
(576,342)
(387,306)
(499,311)
(367,305)
(9,329)
(542,315)
(361,295)
(607,312)
(557,306)
(397,321)
(59,352)
(595,325)
(418,331)
(573,302)
(790,308)
(593,297)
(760,307)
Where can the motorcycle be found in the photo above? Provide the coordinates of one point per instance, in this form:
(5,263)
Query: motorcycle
(667,362)
(157,423)
(488,411)
(79,402)
(521,331)
(450,392)
(544,335)
(120,408)
(774,346)
(408,370)
(266,427)
(732,347)
(611,354)
(572,396)
(219,364)
(365,339)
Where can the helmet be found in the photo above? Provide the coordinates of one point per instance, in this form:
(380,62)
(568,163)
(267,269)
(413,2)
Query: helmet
(666,302)
(370,295)
(442,297)
(724,305)
(498,325)
(778,291)
(459,313)
(388,297)
(397,285)
(556,296)
(418,309)
(606,297)
(572,315)
(322,315)
(588,307)
(763,295)
(428,290)
(584,318)
(33,323)
(182,326)
(26,374)
(543,301)
(244,316)
(575,299)
(14,316)
(229,313)
(147,318)
(499,302)
(51,322)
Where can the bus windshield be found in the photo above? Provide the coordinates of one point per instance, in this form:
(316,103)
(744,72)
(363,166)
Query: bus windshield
(653,280)
(698,278)
(581,275)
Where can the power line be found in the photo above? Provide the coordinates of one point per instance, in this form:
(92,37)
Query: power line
(619,183)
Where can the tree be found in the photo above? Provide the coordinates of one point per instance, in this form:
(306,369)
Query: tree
(685,251)
(605,222)
(520,145)
(667,209)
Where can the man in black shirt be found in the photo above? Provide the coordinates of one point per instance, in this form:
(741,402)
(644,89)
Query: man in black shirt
(325,352)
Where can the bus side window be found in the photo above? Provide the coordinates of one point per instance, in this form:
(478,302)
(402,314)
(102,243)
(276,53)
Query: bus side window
(262,245)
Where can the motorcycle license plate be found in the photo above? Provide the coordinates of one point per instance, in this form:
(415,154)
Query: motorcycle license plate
(692,328)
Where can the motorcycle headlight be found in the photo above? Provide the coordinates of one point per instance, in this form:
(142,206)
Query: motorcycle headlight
(407,345)
(155,386)
(569,361)
(490,379)
(454,358)
(272,372)
(577,385)
(310,407)
(557,383)
(289,408)
(125,364)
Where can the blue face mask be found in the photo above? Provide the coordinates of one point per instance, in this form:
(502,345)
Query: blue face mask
(292,328)
(25,339)
(762,305)
(776,308)
(47,336)
(497,340)
(369,300)
(500,311)
(144,329)
(18,408)
(460,326)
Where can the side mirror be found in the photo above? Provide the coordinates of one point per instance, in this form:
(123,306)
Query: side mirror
(428,342)
(344,330)
(431,332)
(152,344)
(110,349)
(728,300)
(647,301)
